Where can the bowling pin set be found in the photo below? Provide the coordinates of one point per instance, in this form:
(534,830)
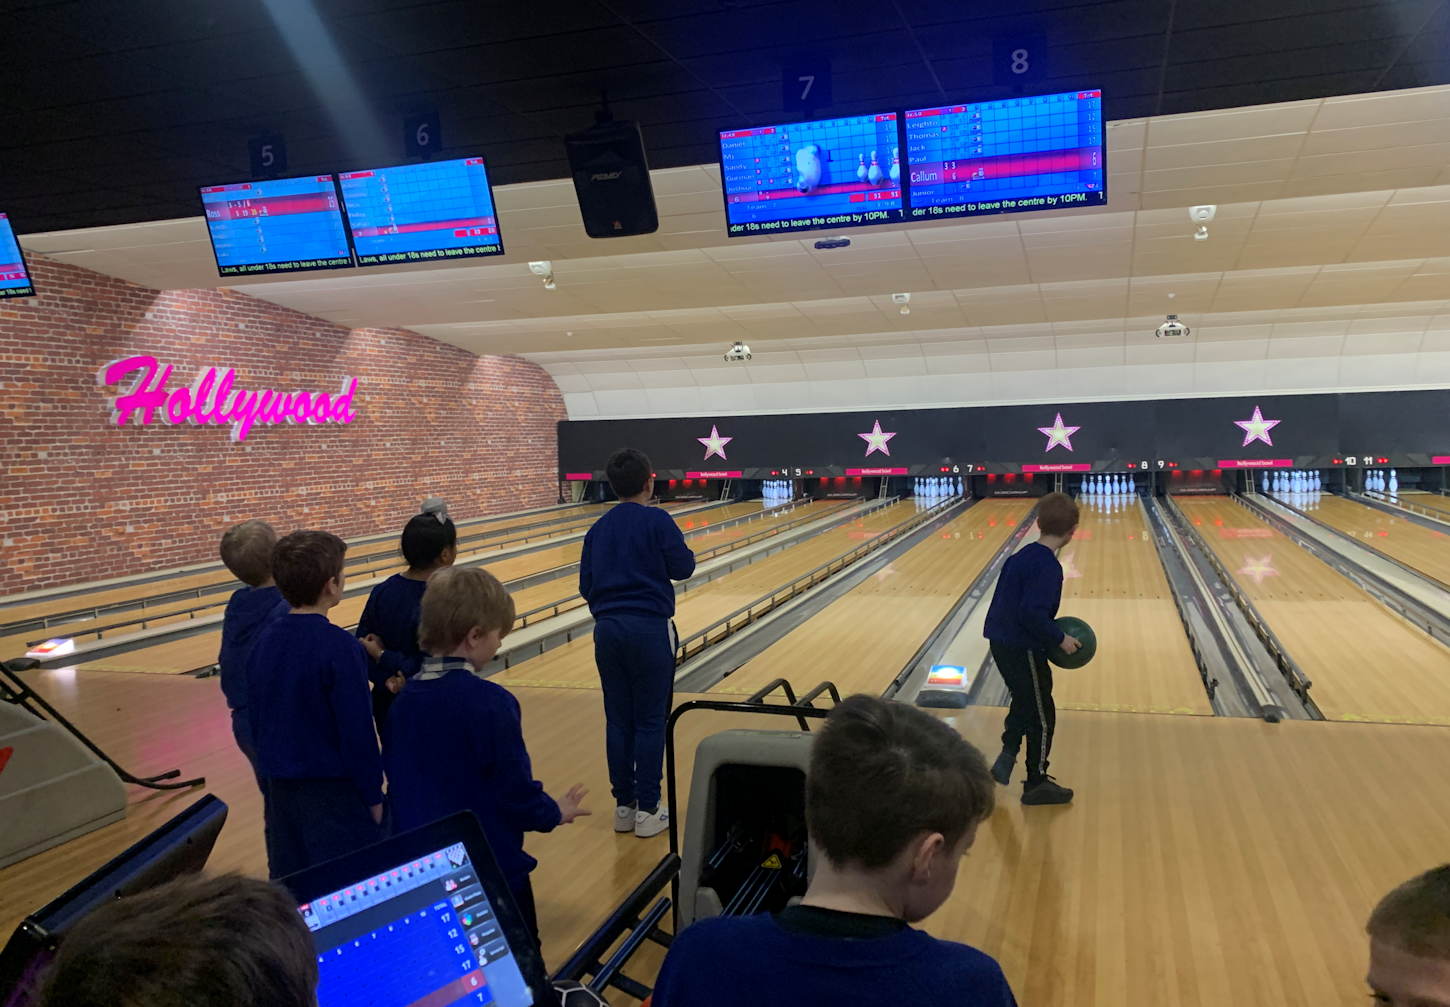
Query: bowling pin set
(1108,486)
(1286,483)
(777,491)
(810,168)
(1376,482)
(937,489)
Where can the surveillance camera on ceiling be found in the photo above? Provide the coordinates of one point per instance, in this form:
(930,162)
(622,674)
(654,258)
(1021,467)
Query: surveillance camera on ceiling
(738,354)
(546,270)
(904,300)
(1172,328)
(1202,214)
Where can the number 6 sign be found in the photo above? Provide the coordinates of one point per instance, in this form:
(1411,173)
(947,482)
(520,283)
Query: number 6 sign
(422,135)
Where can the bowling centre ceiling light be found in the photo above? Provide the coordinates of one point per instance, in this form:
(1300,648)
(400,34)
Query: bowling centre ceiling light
(1172,328)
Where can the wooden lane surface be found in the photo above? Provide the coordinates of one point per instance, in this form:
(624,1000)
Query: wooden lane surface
(572,665)
(1114,581)
(1430,501)
(1366,663)
(175,657)
(1206,861)
(863,639)
(1420,548)
(385,549)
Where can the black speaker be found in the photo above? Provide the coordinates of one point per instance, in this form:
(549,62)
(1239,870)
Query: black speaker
(611,178)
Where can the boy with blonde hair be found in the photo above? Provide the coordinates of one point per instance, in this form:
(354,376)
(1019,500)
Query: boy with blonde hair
(246,550)
(453,741)
(1409,943)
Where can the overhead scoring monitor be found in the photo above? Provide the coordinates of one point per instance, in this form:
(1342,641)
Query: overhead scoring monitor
(1007,156)
(14,277)
(421,212)
(281,225)
(811,175)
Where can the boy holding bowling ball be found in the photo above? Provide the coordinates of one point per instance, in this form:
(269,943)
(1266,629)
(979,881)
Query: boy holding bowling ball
(1021,630)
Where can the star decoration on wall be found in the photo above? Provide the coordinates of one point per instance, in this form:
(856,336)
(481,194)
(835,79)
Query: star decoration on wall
(1058,434)
(714,444)
(876,440)
(1258,568)
(1257,428)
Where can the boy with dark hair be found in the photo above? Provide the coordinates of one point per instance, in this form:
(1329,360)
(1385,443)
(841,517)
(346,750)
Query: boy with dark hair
(1409,943)
(217,942)
(454,741)
(246,550)
(893,801)
(1021,630)
(630,556)
(311,716)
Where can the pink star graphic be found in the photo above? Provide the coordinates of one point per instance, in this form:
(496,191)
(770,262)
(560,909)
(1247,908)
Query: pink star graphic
(1058,434)
(1256,428)
(876,440)
(1258,568)
(714,444)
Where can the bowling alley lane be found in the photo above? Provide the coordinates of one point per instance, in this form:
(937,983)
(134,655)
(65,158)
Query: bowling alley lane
(863,639)
(1114,581)
(1419,548)
(572,665)
(1429,501)
(1366,663)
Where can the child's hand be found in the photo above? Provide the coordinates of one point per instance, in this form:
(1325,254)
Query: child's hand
(396,683)
(373,644)
(1069,643)
(569,804)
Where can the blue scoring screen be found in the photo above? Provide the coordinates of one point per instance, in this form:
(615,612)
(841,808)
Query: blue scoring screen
(420,212)
(812,175)
(279,226)
(14,277)
(1041,153)
(421,933)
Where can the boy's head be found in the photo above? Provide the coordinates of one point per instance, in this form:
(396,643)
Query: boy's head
(247,551)
(1057,515)
(466,612)
(894,791)
(629,473)
(430,537)
(1409,949)
(306,564)
(217,942)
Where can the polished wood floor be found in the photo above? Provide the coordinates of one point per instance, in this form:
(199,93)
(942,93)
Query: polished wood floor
(1419,548)
(1114,581)
(1366,663)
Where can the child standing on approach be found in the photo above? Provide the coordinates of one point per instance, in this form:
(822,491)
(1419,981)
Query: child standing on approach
(247,552)
(630,557)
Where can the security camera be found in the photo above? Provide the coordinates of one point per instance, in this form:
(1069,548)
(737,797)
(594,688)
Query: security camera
(1202,214)
(1201,234)
(904,300)
(1172,328)
(738,354)
(546,270)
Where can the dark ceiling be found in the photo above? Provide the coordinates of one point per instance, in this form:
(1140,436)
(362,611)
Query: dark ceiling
(114,111)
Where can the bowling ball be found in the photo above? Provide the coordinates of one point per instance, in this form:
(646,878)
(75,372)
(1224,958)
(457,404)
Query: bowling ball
(1084,634)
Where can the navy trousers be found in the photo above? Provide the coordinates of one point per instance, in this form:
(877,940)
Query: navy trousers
(636,660)
(1032,714)
(242,733)
(309,822)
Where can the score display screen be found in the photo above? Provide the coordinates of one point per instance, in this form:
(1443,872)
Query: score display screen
(812,175)
(1041,153)
(14,277)
(421,212)
(421,933)
(280,226)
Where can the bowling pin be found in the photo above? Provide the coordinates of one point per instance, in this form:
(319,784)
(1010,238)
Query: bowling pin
(861,170)
(895,172)
(808,168)
(1394,482)
(873,173)
(1264,484)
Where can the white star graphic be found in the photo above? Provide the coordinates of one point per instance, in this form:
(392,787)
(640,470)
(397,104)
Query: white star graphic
(876,440)
(714,444)
(1258,568)
(889,570)
(1257,428)
(1058,434)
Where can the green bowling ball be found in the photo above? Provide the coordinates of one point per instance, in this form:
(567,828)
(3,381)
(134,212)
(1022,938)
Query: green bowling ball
(1084,633)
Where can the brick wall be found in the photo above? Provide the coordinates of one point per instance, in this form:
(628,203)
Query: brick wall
(84,499)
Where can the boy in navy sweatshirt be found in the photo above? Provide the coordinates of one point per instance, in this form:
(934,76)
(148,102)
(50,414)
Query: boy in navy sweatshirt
(311,717)
(630,556)
(1021,629)
(453,741)
(893,801)
(247,552)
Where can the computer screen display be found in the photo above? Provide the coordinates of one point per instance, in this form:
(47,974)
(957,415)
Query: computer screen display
(812,175)
(14,277)
(421,212)
(1040,153)
(282,225)
(421,932)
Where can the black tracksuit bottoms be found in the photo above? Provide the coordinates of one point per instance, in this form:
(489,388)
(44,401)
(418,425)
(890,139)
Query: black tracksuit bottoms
(1029,679)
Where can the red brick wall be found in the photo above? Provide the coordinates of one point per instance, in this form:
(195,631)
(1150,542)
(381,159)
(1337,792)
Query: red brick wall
(84,499)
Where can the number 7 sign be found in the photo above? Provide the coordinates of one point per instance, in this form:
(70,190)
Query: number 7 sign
(805,85)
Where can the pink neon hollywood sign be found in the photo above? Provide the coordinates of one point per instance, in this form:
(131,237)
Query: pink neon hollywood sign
(212,399)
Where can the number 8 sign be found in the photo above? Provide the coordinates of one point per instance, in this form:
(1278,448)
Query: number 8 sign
(1019,59)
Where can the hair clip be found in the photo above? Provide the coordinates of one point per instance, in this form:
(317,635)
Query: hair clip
(437,507)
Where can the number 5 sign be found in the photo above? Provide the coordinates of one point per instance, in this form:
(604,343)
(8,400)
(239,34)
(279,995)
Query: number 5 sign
(805,85)
(422,135)
(268,155)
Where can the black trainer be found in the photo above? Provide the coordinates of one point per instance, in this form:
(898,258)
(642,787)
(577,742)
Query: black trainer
(1002,768)
(1046,791)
